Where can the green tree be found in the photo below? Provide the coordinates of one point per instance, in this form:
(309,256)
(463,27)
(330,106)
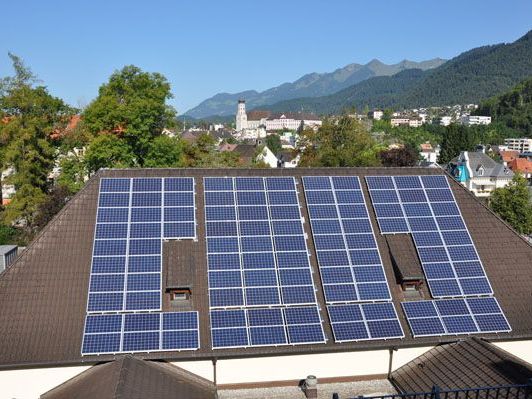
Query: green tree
(273,142)
(30,115)
(108,151)
(165,152)
(132,104)
(513,205)
(455,139)
(73,173)
(341,143)
(399,157)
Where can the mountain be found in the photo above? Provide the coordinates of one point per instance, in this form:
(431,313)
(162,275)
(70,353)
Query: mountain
(310,85)
(512,109)
(468,78)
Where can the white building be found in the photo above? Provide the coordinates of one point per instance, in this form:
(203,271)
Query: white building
(520,144)
(429,153)
(241,116)
(271,121)
(376,115)
(479,173)
(470,120)
(403,121)
(445,120)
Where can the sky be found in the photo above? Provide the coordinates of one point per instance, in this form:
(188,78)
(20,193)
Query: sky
(206,47)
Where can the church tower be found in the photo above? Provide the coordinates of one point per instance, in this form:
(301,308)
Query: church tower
(241,116)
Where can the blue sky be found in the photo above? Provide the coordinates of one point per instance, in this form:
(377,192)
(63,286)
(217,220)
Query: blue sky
(205,47)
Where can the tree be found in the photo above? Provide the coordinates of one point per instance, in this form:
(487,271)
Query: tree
(399,157)
(108,151)
(73,173)
(29,116)
(58,197)
(512,204)
(456,138)
(165,152)
(273,142)
(132,105)
(341,143)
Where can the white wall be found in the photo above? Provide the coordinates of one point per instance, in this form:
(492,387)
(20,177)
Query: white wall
(32,383)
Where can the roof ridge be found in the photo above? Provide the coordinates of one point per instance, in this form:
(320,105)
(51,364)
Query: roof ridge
(121,379)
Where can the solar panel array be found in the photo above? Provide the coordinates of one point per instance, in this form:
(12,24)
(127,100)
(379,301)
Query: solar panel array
(257,256)
(425,206)
(134,216)
(349,260)
(232,328)
(367,321)
(455,316)
(140,332)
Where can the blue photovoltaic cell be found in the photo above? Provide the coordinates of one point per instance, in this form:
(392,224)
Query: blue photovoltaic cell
(348,258)
(261,260)
(140,332)
(439,233)
(126,267)
(354,322)
(455,316)
(266,326)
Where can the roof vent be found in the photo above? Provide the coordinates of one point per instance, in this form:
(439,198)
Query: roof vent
(310,387)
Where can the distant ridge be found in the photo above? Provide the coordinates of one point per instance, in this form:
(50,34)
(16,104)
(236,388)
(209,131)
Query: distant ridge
(470,77)
(310,85)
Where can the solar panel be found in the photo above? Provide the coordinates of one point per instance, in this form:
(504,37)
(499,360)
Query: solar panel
(425,207)
(360,322)
(262,231)
(238,328)
(133,217)
(455,316)
(257,256)
(140,332)
(349,261)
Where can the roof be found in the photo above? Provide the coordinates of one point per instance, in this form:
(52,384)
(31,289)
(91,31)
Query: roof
(132,378)
(522,165)
(491,168)
(426,147)
(468,363)
(509,155)
(246,151)
(256,115)
(43,295)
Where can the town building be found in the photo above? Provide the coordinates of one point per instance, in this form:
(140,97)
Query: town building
(428,153)
(105,297)
(519,144)
(406,121)
(445,120)
(471,120)
(376,114)
(523,166)
(508,156)
(273,121)
(479,173)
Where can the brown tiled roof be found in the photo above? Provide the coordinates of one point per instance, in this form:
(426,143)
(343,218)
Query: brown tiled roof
(509,155)
(132,378)
(43,295)
(522,165)
(257,115)
(470,363)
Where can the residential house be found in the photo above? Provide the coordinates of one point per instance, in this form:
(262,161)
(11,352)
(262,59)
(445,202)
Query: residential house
(508,156)
(479,173)
(470,120)
(523,166)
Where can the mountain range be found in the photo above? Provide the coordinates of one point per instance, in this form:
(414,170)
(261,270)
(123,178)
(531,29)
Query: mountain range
(470,77)
(310,85)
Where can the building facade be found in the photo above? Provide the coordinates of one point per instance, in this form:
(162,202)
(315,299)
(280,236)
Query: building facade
(523,144)
(470,120)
